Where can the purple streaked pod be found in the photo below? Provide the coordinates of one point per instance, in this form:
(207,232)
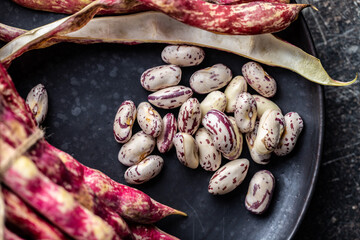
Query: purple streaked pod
(171,97)
(124,121)
(293,127)
(245,112)
(145,170)
(250,140)
(236,86)
(140,146)
(186,150)
(160,77)
(209,156)
(220,128)
(269,131)
(149,119)
(258,79)
(37,101)
(264,104)
(239,142)
(214,100)
(228,177)
(261,188)
(164,141)
(189,117)
(210,79)
(183,55)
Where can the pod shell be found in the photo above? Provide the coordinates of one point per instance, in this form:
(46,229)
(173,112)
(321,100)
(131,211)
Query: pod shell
(145,170)
(171,97)
(124,121)
(183,55)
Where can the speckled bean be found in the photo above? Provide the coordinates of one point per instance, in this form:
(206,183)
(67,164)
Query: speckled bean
(239,142)
(160,77)
(258,79)
(165,140)
(261,188)
(209,156)
(293,127)
(236,86)
(170,97)
(149,119)
(245,112)
(269,131)
(210,79)
(264,104)
(186,150)
(214,100)
(228,177)
(183,55)
(145,170)
(189,117)
(37,101)
(124,121)
(250,140)
(140,146)
(220,128)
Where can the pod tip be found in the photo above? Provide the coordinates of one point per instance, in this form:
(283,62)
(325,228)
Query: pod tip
(177,212)
(338,83)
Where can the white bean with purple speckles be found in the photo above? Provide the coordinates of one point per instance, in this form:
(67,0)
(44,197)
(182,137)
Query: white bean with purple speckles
(186,150)
(171,97)
(140,146)
(160,77)
(149,119)
(189,117)
(228,177)
(164,141)
(245,112)
(183,55)
(214,100)
(293,127)
(239,142)
(236,86)
(124,121)
(209,156)
(258,79)
(263,104)
(37,100)
(210,79)
(145,170)
(250,140)
(261,188)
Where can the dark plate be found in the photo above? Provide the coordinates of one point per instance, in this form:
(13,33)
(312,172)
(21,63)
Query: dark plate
(86,85)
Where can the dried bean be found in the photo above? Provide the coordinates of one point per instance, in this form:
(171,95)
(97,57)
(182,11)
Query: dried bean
(145,170)
(239,142)
(149,119)
(214,100)
(189,116)
(165,140)
(250,140)
(245,112)
(264,104)
(209,156)
(124,121)
(236,86)
(183,55)
(186,150)
(37,100)
(160,77)
(170,97)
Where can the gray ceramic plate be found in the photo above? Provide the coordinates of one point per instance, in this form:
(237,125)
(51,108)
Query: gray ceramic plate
(86,85)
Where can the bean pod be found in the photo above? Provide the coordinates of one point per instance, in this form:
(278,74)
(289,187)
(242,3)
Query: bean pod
(124,121)
(183,55)
(171,97)
(37,101)
(261,188)
(245,112)
(258,79)
(239,142)
(189,116)
(160,77)
(263,104)
(250,140)
(165,140)
(214,100)
(228,177)
(135,150)
(209,156)
(145,170)
(149,119)
(236,86)
(210,79)
(186,150)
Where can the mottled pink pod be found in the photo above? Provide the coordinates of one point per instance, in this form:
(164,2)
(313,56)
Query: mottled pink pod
(245,112)
(220,128)
(269,131)
(250,140)
(37,101)
(228,177)
(189,117)
(164,141)
(214,100)
(149,119)
(261,188)
(293,127)
(124,121)
(145,170)
(210,79)
(160,77)
(171,97)
(258,79)
(264,104)
(149,232)
(183,55)
(239,142)
(209,156)
(236,86)
(186,150)
(140,146)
